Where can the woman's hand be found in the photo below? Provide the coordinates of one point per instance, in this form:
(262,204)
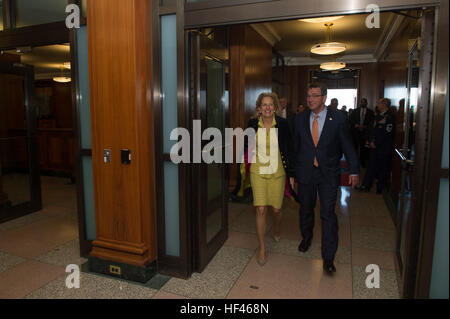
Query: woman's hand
(292,182)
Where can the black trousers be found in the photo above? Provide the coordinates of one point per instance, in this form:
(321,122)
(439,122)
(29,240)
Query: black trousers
(378,168)
(327,192)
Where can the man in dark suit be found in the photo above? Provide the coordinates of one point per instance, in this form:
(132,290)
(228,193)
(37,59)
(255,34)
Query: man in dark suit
(361,122)
(321,137)
(381,138)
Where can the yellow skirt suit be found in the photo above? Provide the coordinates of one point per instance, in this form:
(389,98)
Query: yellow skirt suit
(267,177)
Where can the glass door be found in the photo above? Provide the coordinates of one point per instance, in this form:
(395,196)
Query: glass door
(20,191)
(209,104)
(406,152)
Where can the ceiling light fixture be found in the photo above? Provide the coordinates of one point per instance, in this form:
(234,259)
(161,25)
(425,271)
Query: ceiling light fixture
(328,47)
(321,20)
(62,78)
(332,66)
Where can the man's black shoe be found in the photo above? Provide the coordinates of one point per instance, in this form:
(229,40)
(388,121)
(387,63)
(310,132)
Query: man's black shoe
(304,245)
(379,191)
(328,266)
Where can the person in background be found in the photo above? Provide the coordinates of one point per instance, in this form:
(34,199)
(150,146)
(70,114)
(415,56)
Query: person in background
(300,109)
(344,110)
(381,138)
(291,113)
(282,111)
(334,104)
(361,121)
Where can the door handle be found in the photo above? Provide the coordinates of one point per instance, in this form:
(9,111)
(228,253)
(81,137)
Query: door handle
(400,154)
(403,158)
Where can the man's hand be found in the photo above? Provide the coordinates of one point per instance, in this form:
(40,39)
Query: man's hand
(292,182)
(372,145)
(353,180)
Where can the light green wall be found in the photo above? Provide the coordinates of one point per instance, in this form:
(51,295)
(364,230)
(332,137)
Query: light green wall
(439,276)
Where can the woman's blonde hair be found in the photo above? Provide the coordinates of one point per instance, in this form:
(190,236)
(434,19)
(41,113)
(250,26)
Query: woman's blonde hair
(272,95)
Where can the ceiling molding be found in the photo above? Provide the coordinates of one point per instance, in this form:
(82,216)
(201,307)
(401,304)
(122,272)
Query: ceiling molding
(391,28)
(357,58)
(267,32)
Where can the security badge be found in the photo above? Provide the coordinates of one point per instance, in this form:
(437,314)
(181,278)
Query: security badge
(389,128)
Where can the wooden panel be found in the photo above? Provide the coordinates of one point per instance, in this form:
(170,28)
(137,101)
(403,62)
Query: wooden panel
(237,84)
(56,150)
(258,69)
(62,105)
(251,74)
(13,150)
(121,118)
(11,58)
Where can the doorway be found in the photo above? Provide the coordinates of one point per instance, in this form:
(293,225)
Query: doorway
(46,109)
(20,188)
(194,18)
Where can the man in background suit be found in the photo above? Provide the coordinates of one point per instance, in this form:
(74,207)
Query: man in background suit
(321,136)
(361,122)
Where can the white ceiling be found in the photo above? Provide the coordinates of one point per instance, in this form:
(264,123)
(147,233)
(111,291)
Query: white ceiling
(293,39)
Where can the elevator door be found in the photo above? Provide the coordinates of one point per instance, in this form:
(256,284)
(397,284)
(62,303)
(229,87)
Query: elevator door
(209,105)
(20,191)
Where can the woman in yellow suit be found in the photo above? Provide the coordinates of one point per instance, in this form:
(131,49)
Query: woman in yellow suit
(270,165)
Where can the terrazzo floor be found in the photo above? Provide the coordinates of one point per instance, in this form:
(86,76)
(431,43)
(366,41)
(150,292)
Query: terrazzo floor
(35,250)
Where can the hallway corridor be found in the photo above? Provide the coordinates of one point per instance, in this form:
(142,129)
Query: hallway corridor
(35,249)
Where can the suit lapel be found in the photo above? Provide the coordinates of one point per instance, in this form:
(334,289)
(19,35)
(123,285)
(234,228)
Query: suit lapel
(307,127)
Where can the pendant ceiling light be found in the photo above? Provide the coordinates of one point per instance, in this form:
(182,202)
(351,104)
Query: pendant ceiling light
(62,78)
(328,47)
(332,66)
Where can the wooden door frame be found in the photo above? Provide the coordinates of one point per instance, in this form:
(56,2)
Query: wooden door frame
(35,202)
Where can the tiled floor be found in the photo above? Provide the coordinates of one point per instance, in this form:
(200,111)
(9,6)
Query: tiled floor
(35,250)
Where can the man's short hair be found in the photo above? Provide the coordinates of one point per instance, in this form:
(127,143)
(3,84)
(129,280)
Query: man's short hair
(386,101)
(323,88)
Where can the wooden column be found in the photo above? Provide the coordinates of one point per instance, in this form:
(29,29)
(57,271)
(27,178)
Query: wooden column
(120,72)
